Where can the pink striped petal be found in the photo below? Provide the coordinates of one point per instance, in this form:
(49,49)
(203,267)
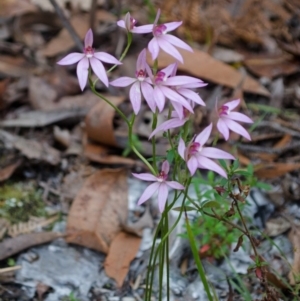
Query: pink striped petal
(177,42)
(149,191)
(83,72)
(159,98)
(191,95)
(200,84)
(123,81)
(145,177)
(169,48)
(99,70)
(238,117)
(135,97)
(232,104)
(206,163)
(71,58)
(204,135)
(175,185)
(181,148)
(214,153)
(153,47)
(147,91)
(162,196)
(141,61)
(107,58)
(88,40)
(165,167)
(180,80)
(223,128)
(169,124)
(143,29)
(237,128)
(192,165)
(172,25)
(178,109)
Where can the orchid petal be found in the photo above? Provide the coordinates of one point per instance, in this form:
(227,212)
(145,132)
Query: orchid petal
(162,196)
(123,81)
(181,148)
(143,29)
(147,91)
(88,40)
(182,80)
(191,95)
(206,163)
(153,47)
(99,70)
(165,167)
(71,58)
(239,117)
(169,70)
(232,104)
(200,84)
(121,23)
(169,48)
(237,128)
(192,165)
(175,185)
(214,153)
(172,25)
(177,42)
(107,58)
(157,17)
(169,124)
(82,72)
(223,128)
(178,109)
(135,97)
(145,176)
(204,135)
(159,98)
(149,191)
(141,61)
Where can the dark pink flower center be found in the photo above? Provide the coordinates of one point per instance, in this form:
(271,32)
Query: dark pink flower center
(223,110)
(194,148)
(162,176)
(186,112)
(132,23)
(89,51)
(159,77)
(159,30)
(140,75)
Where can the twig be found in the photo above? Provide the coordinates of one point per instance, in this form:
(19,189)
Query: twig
(277,126)
(67,25)
(93,14)
(10,269)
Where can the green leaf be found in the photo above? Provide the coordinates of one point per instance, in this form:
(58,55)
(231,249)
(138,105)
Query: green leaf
(235,164)
(243,172)
(223,164)
(210,204)
(170,155)
(263,185)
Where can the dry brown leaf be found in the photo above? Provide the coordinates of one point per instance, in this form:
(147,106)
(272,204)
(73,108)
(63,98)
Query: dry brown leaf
(32,224)
(277,226)
(99,122)
(101,154)
(62,136)
(122,251)
(12,246)
(6,172)
(14,66)
(274,170)
(205,67)
(32,149)
(11,8)
(294,236)
(99,210)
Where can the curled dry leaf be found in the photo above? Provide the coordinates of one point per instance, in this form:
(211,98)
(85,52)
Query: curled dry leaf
(99,210)
(122,251)
(6,172)
(205,67)
(274,170)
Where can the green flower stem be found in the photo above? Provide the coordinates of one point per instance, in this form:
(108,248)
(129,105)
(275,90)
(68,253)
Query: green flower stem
(155,66)
(197,259)
(129,41)
(154,125)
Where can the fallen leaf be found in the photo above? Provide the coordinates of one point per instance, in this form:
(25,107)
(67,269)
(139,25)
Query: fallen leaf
(12,246)
(99,122)
(32,149)
(274,170)
(205,67)
(294,239)
(6,172)
(14,66)
(277,226)
(11,8)
(122,251)
(99,210)
(62,136)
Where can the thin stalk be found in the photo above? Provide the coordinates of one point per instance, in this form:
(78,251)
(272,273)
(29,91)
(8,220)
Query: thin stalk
(129,40)
(154,124)
(197,259)
(167,257)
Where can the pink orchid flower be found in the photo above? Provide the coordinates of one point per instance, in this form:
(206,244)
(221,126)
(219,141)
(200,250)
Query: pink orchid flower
(198,156)
(139,87)
(227,120)
(89,57)
(129,25)
(160,185)
(165,41)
